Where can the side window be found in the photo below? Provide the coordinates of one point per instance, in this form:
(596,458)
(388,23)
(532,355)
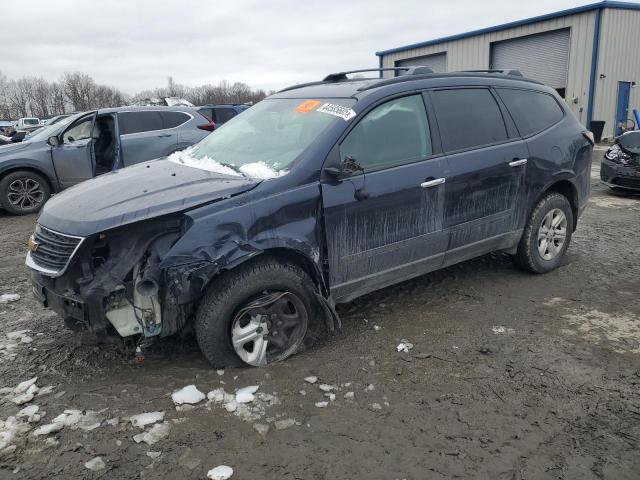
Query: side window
(468,118)
(531,111)
(391,134)
(223,115)
(173,119)
(79,131)
(138,122)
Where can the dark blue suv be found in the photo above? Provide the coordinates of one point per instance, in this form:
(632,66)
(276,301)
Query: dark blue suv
(319,194)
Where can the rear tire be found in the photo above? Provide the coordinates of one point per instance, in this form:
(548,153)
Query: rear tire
(547,234)
(220,314)
(23,192)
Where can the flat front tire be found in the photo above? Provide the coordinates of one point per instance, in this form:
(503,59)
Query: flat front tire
(256,314)
(547,234)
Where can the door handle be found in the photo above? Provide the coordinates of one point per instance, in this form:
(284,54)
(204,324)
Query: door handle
(518,162)
(164,135)
(433,183)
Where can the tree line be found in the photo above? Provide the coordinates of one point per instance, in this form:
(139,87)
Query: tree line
(77,92)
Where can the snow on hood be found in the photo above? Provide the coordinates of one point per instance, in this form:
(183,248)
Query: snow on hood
(257,170)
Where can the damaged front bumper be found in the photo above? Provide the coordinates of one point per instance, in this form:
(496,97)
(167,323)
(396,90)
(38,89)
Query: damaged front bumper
(108,279)
(616,175)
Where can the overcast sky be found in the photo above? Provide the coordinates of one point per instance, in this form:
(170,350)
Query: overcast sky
(136,45)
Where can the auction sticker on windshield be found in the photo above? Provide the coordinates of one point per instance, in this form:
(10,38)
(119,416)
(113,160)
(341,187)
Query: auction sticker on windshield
(307,106)
(345,113)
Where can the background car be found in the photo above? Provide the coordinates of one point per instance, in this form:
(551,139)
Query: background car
(89,144)
(222,113)
(620,165)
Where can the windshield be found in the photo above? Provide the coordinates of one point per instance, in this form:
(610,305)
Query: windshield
(51,130)
(263,141)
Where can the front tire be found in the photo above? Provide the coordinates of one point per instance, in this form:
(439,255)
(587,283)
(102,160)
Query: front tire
(23,192)
(255,314)
(547,235)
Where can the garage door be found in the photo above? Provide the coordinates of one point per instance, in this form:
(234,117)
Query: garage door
(436,62)
(543,57)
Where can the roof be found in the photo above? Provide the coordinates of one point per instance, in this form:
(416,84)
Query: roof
(362,86)
(136,108)
(518,23)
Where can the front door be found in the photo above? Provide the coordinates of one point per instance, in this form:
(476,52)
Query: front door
(622,107)
(384,225)
(72,159)
(485,186)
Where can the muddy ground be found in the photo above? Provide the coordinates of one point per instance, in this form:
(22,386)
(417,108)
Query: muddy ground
(529,377)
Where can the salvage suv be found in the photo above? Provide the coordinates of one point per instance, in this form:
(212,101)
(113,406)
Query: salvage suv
(319,194)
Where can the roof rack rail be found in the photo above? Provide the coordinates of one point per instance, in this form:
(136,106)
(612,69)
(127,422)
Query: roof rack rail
(516,73)
(342,76)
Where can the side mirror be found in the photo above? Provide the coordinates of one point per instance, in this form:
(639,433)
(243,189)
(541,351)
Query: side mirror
(53,141)
(348,167)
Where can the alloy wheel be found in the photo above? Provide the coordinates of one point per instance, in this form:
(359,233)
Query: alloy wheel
(552,234)
(25,193)
(269,328)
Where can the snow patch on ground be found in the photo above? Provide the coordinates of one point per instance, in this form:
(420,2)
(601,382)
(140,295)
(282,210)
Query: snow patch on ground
(189,395)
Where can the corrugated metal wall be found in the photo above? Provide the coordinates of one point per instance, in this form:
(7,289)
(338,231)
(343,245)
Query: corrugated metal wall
(619,60)
(473,53)
(436,62)
(543,56)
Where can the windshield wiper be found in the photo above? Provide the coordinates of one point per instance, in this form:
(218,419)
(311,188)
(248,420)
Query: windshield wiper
(232,167)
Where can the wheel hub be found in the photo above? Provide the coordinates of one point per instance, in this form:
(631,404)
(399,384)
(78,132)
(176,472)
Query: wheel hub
(25,193)
(269,328)
(552,234)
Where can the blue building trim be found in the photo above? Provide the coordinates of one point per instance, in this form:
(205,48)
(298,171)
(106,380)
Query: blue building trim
(549,16)
(594,65)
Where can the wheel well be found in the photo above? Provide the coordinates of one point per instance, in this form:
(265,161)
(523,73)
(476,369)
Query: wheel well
(29,169)
(566,188)
(299,259)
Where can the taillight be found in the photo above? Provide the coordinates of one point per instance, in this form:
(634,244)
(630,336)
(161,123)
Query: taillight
(589,136)
(209,126)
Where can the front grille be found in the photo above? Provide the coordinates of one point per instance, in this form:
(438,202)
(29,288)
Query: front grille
(53,250)
(627,182)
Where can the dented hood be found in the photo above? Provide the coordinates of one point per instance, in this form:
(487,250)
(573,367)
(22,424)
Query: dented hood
(140,192)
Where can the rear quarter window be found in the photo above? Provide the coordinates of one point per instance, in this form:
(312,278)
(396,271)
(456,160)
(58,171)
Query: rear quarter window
(138,122)
(468,118)
(532,111)
(173,119)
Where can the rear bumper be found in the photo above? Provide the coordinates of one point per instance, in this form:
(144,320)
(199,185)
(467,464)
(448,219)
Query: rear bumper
(615,175)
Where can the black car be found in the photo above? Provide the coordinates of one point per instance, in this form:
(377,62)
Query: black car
(620,166)
(317,195)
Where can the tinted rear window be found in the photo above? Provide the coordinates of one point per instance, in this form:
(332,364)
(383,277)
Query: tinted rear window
(138,122)
(531,111)
(468,118)
(173,119)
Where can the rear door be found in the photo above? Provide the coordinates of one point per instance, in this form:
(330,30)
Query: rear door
(72,159)
(484,196)
(384,225)
(143,137)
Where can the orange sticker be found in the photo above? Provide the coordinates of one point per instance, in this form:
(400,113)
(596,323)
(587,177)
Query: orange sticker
(307,106)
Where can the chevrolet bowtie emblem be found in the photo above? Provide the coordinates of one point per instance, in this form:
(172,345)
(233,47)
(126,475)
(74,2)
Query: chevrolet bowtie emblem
(32,244)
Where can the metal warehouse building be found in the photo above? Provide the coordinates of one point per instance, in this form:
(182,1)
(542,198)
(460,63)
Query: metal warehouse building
(589,54)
